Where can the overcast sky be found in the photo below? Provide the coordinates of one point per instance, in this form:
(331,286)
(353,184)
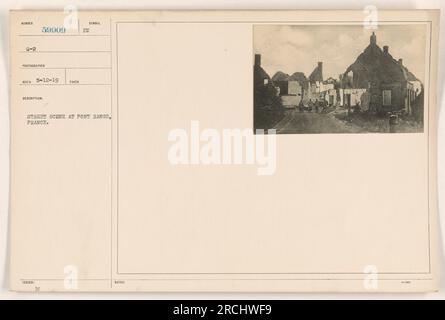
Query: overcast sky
(299,48)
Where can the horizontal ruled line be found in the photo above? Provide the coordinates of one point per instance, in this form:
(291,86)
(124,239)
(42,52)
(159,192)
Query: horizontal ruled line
(63,35)
(62,68)
(239,279)
(66,84)
(65,51)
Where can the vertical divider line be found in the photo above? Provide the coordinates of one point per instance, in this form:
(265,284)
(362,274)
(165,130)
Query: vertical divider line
(111,159)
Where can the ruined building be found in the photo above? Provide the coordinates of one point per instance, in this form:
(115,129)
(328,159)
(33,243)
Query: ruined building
(296,89)
(268,109)
(264,93)
(315,83)
(379,83)
(290,87)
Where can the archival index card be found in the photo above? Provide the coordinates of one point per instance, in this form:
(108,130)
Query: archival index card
(260,151)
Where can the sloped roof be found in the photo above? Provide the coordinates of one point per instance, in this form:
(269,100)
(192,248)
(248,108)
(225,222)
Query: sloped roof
(317,74)
(280,76)
(298,76)
(260,73)
(374,62)
(410,76)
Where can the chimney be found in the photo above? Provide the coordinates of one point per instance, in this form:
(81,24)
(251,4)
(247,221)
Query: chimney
(373,38)
(401,62)
(257,59)
(385,49)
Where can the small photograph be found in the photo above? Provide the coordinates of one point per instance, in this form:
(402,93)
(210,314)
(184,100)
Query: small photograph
(339,78)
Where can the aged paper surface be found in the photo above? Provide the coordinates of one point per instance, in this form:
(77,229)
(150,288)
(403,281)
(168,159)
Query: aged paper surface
(136,167)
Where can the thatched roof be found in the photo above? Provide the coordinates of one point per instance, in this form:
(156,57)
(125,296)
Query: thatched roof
(280,76)
(375,63)
(298,76)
